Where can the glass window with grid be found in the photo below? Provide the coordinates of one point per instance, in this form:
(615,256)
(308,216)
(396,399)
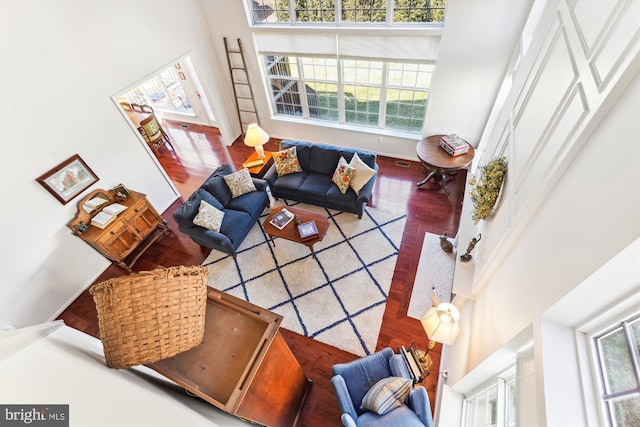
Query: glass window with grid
(616,355)
(494,404)
(336,12)
(361,92)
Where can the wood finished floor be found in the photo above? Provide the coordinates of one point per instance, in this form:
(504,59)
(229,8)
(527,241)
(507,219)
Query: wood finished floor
(197,150)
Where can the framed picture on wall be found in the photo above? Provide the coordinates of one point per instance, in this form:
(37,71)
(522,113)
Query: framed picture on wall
(68,179)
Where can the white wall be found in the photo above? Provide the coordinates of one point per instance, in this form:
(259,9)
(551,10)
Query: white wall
(61,62)
(571,203)
(68,367)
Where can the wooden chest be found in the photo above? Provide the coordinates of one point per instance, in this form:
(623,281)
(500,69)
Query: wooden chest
(244,366)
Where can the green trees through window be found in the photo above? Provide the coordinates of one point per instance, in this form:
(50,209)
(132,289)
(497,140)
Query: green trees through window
(618,359)
(348,11)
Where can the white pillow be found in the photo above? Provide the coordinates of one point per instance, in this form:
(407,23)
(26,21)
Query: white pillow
(363,173)
(240,182)
(209,217)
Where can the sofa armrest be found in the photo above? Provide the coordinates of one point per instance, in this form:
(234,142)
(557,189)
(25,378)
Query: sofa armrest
(209,238)
(260,184)
(367,189)
(343,397)
(271,175)
(418,401)
(398,366)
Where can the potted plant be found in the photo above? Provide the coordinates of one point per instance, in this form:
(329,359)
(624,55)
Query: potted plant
(486,190)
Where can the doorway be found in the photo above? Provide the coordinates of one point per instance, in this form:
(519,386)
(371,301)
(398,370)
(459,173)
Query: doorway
(175,93)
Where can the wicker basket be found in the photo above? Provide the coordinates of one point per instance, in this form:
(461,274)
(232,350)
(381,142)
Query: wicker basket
(151,315)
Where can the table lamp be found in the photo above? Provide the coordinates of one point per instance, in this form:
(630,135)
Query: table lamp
(256,137)
(440,323)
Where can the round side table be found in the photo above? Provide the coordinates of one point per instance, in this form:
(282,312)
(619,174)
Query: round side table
(439,164)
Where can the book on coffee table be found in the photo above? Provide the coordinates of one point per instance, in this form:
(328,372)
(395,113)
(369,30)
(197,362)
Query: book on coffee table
(281,219)
(308,230)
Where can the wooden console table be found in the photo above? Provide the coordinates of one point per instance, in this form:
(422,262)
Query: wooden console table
(439,163)
(244,366)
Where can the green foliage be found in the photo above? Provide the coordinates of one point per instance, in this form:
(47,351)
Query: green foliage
(485,192)
(362,11)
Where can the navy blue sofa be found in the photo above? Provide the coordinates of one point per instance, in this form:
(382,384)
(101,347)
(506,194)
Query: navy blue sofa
(240,213)
(314,185)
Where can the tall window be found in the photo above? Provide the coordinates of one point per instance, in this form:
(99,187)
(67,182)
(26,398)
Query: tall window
(617,356)
(385,12)
(382,94)
(494,404)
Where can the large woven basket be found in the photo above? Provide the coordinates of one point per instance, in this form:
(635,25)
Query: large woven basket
(151,315)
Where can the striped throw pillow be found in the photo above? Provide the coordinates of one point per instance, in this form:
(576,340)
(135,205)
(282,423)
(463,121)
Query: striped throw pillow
(386,394)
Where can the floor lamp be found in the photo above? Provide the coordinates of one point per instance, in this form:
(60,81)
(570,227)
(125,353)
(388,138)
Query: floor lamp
(440,323)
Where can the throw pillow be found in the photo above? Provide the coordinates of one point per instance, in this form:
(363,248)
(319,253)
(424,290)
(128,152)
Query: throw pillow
(386,395)
(240,182)
(286,161)
(363,173)
(209,217)
(342,175)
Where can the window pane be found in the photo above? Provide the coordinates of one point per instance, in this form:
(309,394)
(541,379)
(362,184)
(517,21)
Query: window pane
(616,362)
(315,11)
(286,97)
(405,109)
(356,71)
(270,11)
(626,412)
(362,104)
(419,10)
(635,331)
(282,66)
(323,101)
(364,11)
(325,69)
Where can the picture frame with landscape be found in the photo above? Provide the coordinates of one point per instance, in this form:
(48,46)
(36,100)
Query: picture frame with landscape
(68,179)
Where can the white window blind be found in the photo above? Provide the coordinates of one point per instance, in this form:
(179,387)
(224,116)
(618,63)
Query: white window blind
(417,48)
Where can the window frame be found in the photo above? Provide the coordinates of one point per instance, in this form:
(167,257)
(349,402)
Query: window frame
(597,377)
(501,382)
(384,86)
(338,22)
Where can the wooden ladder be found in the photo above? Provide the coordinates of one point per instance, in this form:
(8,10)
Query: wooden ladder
(242,91)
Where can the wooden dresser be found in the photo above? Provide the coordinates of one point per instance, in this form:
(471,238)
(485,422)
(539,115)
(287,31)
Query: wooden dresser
(129,235)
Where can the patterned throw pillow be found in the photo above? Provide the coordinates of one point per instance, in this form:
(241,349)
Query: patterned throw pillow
(240,182)
(286,161)
(342,175)
(363,173)
(386,394)
(208,217)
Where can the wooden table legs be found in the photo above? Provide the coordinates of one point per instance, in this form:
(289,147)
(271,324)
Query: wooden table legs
(440,178)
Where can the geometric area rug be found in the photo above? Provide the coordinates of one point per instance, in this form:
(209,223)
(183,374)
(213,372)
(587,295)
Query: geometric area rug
(337,298)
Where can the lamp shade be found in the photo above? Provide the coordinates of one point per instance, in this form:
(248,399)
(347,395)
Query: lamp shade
(441,323)
(255,136)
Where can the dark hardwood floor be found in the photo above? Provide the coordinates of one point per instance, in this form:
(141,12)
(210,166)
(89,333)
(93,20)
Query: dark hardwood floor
(197,150)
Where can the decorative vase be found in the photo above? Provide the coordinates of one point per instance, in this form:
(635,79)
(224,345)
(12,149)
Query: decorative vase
(445,244)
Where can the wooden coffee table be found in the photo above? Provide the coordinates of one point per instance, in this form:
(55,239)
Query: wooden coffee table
(290,231)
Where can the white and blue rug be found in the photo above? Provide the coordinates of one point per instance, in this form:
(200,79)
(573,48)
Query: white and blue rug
(339,297)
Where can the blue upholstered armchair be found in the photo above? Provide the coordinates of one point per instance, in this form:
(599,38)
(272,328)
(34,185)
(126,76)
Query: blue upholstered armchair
(352,380)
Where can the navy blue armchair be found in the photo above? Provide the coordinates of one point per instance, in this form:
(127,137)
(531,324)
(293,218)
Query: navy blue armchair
(352,380)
